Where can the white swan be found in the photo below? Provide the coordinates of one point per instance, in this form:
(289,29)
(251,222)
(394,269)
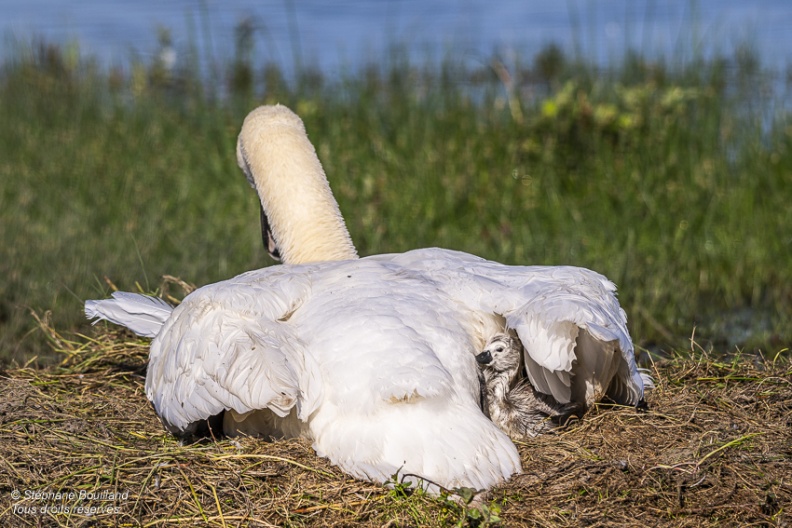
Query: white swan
(373,359)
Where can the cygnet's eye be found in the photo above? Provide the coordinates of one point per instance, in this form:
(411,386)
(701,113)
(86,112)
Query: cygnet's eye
(499,349)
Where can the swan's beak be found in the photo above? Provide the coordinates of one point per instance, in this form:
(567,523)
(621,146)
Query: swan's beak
(267,238)
(485,358)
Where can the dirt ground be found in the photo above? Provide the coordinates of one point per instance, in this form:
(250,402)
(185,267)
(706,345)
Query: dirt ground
(81,446)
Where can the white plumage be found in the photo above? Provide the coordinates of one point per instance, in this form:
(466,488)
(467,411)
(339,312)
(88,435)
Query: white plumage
(373,359)
(142,314)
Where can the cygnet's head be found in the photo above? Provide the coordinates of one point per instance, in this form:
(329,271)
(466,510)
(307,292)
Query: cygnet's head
(501,353)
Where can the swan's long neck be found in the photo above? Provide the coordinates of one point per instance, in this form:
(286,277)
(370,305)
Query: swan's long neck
(280,162)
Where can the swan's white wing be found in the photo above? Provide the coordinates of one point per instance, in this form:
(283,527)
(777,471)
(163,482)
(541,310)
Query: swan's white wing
(575,345)
(569,320)
(226,348)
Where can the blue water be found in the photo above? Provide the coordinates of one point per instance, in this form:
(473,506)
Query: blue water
(339,35)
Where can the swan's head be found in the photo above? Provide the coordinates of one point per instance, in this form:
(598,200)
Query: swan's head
(301,221)
(502,353)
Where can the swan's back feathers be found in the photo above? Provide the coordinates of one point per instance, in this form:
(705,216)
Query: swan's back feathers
(142,314)
(369,319)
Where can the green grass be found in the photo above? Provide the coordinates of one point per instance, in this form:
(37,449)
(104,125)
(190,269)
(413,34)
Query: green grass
(673,180)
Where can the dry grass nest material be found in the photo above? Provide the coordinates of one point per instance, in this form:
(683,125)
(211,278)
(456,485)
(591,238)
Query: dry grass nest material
(81,442)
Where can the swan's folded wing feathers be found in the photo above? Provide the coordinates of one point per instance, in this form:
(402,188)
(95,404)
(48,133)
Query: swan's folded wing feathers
(219,359)
(556,383)
(563,329)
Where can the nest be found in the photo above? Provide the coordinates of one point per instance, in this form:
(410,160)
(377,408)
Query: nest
(81,446)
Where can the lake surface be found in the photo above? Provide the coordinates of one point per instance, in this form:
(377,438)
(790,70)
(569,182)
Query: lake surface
(342,35)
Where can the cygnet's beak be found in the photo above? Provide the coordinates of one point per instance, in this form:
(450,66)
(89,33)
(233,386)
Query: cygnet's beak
(485,358)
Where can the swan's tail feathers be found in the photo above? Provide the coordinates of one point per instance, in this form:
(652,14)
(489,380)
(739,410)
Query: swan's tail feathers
(142,314)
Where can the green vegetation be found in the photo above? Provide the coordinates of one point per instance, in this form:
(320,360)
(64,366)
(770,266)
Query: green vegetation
(674,180)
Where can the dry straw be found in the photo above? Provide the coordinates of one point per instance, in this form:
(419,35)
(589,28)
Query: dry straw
(714,449)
